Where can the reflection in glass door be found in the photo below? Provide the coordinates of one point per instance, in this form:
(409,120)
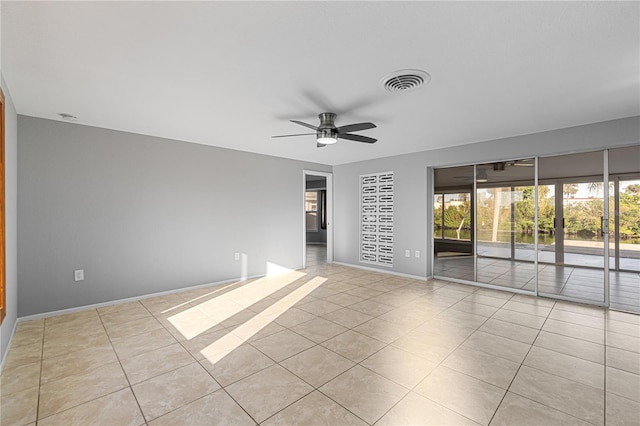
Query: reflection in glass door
(572,223)
(572,259)
(587,207)
(624,276)
(524,223)
(627,225)
(453,223)
(505,218)
(494,211)
(550,248)
(584,239)
(583,223)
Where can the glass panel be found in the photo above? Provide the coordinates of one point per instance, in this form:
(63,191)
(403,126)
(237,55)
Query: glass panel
(583,205)
(629,225)
(453,224)
(454,211)
(624,284)
(494,222)
(524,224)
(571,244)
(457,210)
(546,223)
(437,216)
(505,217)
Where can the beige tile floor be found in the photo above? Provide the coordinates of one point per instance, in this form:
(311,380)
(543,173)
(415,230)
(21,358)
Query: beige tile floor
(327,345)
(579,283)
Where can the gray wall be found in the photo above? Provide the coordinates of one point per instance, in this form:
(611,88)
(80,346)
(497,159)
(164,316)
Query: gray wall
(413,202)
(11,216)
(142,214)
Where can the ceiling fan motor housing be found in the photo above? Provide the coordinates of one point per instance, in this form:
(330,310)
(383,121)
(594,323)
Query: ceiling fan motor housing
(327,127)
(327,133)
(327,121)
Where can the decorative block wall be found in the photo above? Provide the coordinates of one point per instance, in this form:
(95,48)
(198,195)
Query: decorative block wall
(376,213)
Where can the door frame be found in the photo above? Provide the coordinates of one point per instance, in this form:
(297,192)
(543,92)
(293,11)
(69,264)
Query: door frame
(329,212)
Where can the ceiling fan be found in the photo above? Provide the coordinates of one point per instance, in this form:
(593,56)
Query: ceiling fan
(493,169)
(327,133)
(500,166)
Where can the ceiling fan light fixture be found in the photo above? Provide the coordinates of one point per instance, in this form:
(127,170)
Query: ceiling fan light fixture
(499,167)
(326,141)
(327,136)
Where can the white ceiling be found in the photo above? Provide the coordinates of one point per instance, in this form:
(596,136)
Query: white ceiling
(231,74)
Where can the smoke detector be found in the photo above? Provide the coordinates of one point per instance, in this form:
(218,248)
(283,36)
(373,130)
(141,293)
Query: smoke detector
(405,80)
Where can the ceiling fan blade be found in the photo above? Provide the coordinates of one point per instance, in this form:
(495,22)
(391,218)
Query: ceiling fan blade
(288,136)
(320,145)
(304,124)
(357,138)
(356,127)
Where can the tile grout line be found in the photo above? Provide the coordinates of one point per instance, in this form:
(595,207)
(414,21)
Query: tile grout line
(222,388)
(82,403)
(345,280)
(604,368)
(455,349)
(314,388)
(520,366)
(196,361)
(278,363)
(437,364)
(44,328)
(324,347)
(121,367)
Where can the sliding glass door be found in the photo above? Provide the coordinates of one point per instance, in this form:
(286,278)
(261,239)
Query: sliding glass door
(453,223)
(566,227)
(505,217)
(571,220)
(484,224)
(624,207)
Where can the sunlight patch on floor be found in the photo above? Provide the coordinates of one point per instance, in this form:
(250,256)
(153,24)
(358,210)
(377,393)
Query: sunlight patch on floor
(218,290)
(226,344)
(209,313)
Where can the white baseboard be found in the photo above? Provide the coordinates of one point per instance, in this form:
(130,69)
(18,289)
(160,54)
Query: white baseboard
(128,299)
(366,268)
(4,356)
(164,293)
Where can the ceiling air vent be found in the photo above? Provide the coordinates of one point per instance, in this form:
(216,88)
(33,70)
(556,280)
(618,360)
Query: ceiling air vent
(404,80)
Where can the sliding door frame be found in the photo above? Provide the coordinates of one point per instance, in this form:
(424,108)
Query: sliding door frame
(606,231)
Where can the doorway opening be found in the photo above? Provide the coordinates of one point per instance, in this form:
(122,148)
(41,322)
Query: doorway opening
(317,233)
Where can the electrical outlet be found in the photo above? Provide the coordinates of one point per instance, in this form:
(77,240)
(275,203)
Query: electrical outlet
(78,275)
(407,253)
(417,254)
(236,256)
